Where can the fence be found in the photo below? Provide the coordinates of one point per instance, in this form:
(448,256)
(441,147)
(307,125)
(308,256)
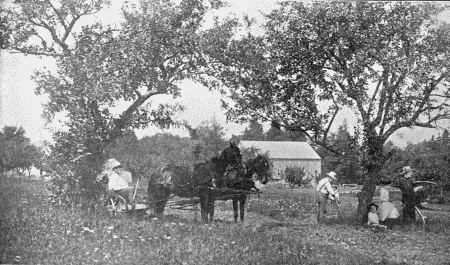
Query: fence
(347,187)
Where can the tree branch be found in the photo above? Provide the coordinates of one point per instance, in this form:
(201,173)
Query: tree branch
(387,108)
(63,23)
(126,115)
(52,32)
(37,53)
(369,109)
(421,108)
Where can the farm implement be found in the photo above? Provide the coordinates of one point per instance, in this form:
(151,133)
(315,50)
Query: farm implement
(117,203)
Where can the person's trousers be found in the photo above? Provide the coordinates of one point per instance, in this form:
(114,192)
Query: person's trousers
(321,206)
(409,212)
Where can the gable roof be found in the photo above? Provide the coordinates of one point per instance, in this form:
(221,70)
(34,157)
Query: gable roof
(283,150)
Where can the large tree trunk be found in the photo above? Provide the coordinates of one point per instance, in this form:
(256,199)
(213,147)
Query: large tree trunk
(373,165)
(365,197)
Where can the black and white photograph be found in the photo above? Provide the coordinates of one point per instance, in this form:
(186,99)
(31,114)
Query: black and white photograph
(204,132)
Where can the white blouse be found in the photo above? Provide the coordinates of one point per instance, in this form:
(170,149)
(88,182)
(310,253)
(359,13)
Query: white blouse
(116,182)
(384,194)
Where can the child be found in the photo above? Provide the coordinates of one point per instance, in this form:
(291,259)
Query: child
(373,220)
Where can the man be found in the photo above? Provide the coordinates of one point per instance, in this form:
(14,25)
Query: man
(116,182)
(325,192)
(409,199)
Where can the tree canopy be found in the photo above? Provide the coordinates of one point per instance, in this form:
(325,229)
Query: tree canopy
(16,150)
(107,76)
(101,68)
(388,62)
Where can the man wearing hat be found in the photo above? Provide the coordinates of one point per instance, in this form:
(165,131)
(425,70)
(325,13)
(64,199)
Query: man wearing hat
(405,184)
(325,192)
(116,182)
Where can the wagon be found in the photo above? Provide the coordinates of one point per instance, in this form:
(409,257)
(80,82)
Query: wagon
(117,203)
(221,194)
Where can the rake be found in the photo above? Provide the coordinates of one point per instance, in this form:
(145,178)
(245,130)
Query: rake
(339,209)
(422,218)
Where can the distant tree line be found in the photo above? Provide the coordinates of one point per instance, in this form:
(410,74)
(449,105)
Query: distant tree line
(430,158)
(16,151)
(255,132)
(142,156)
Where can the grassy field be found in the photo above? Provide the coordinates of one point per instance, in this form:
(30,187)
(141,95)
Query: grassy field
(279,229)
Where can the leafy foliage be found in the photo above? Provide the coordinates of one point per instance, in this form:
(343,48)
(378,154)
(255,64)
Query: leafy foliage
(143,156)
(296,176)
(430,158)
(254,132)
(208,140)
(16,151)
(347,162)
(5,30)
(387,62)
(33,20)
(106,76)
(73,169)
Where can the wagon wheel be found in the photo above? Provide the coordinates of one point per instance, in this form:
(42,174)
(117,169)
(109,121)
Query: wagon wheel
(117,203)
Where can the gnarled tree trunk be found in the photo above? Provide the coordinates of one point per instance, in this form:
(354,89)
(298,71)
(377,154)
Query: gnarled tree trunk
(373,164)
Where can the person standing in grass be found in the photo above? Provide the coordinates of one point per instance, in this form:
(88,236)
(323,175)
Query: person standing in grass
(325,192)
(409,199)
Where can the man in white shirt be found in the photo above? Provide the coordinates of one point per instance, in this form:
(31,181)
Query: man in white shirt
(325,192)
(116,182)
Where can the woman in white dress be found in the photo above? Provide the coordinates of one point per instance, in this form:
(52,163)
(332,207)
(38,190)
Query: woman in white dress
(387,211)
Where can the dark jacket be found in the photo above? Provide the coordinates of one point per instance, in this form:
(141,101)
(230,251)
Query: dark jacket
(407,188)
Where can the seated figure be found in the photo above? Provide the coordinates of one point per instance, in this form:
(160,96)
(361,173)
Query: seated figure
(387,213)
(372,218)
(116,182)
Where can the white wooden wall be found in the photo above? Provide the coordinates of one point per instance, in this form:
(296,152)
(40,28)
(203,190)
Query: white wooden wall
(312,167)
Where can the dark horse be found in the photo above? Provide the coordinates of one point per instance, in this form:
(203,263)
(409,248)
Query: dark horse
(260,166)
(199,182)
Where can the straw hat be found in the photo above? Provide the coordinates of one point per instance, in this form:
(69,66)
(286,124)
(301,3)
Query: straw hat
(332,174)
(406,169)
(112,164)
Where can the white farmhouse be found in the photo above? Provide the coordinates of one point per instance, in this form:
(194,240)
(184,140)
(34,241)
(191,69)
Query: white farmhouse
(284,154)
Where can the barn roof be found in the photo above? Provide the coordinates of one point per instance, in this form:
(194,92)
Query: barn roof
(283,150)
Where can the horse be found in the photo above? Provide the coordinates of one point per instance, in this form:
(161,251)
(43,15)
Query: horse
(197,182)
(259,165)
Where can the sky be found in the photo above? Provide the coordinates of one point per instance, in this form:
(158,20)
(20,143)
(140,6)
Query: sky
(19,106)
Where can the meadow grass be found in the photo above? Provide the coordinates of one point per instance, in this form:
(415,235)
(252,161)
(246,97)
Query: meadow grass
(35,232)
(284,204)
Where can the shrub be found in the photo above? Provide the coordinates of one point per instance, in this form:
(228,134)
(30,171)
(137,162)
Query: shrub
(296,176)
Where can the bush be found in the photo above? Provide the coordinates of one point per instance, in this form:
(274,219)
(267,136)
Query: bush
(437,198)
(296,176)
